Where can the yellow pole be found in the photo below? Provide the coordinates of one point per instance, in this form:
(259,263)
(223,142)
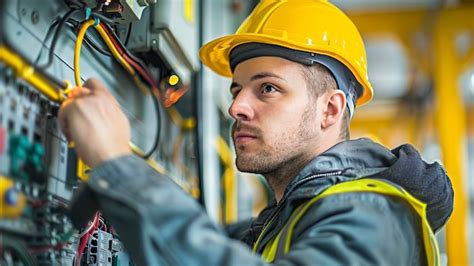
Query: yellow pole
(229,180)
(451,124)
(27,72)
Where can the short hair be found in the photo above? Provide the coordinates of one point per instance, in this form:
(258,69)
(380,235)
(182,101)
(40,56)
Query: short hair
(320,80)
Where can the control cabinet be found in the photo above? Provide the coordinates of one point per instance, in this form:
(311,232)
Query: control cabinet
(39,169)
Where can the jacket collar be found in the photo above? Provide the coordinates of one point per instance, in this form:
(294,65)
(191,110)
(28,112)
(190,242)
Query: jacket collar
(347,160)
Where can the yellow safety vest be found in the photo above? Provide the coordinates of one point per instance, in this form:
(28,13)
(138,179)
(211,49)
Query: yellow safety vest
(280,244)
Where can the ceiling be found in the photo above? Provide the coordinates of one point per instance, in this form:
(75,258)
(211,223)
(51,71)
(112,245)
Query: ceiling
(369,5)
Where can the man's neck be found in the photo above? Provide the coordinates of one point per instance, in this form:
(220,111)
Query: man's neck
(281,177)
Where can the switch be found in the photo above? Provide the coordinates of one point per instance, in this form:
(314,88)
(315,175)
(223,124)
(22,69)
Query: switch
(12,201)
(11,196)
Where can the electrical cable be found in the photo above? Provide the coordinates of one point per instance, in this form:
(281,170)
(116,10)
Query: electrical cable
(96,46)
(145,75)
(121,47)
(55,40)
(132,60)
(114,50)
(118,51)
(125,61)
(105,37)
(76,3)
(156,140)
(85,237)
(154,98)
(102,18)
(88,229)
(48,34)
(77,51)
(127,38)
(74,24)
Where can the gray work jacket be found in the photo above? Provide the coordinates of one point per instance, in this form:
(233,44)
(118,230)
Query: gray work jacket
(162,225)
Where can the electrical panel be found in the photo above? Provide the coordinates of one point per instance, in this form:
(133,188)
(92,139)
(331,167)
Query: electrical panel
(39,169)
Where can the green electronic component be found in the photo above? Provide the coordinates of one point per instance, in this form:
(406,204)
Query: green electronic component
(26,159)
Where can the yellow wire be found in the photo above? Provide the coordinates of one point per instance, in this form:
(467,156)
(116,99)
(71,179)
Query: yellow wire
(110,45)
(114,51)
(228,179)
(116,54)
(77,50)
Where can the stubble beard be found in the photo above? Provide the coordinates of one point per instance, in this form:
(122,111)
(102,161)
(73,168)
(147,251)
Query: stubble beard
(282,158)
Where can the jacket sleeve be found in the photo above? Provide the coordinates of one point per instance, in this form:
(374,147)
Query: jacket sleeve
(160,224)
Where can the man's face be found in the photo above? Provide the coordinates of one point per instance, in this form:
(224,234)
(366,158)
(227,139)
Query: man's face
(276,121)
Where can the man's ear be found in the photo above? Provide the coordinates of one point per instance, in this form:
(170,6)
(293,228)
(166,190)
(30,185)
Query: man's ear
(334,103)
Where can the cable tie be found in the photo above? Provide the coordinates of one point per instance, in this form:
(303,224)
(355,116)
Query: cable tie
(88,12)
(96,21)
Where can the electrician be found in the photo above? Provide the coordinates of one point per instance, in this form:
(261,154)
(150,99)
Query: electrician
(298,71)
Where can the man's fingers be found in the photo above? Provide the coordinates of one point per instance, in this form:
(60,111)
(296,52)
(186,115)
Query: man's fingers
(63,116)
(78,92)
(96,86)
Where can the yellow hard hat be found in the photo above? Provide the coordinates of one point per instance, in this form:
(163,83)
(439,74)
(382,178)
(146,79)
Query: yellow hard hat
(314,26)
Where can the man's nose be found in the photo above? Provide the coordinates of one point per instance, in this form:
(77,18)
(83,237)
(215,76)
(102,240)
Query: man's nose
(242,106)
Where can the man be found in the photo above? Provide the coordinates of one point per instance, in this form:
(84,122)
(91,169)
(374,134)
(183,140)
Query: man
(298,70)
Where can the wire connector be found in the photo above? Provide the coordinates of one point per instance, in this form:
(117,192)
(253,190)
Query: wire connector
(67,88)
(96,22)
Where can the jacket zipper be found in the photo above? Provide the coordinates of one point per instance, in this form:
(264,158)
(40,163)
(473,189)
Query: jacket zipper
(269,221)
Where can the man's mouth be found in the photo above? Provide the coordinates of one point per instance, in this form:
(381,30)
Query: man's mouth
(243,133)
(243,137)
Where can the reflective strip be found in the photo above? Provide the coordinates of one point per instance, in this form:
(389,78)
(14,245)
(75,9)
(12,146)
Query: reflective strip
(280,245)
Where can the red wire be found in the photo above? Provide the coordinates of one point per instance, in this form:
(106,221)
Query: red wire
(140,70)
(145,75)
(58,246)
(85,238)
(170,98)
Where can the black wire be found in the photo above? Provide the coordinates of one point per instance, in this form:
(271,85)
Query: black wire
(48,34)
(132,56)
(54,42)
(59,83)
(74,24)
(75,3)
(95,46)
(103,18)
(156,141)
(156,103)
(128,34)
(198,99)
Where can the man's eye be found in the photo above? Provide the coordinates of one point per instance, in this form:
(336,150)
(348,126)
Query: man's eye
(268,88)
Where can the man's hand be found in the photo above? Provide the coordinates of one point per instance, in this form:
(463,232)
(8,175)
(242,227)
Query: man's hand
(92,118)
